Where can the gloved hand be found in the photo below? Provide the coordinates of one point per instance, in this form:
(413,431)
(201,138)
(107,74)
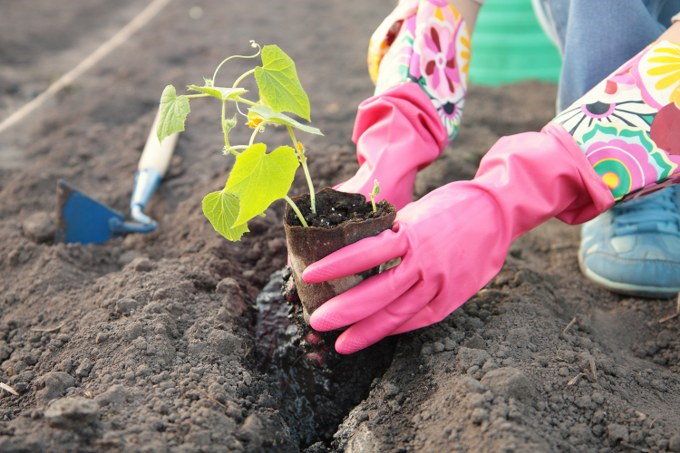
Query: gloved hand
(418,58)
(454,240)
(397,133)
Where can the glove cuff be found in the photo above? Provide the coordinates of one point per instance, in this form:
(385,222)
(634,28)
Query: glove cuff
(596,196)
(403,105)
(535,176)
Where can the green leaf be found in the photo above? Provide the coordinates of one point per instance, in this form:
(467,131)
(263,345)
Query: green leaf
(260,178)
(173,113)
(220,93)
(221,209)
(282,119)
(279,85)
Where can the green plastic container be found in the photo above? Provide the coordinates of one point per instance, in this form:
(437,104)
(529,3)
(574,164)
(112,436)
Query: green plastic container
(509,45)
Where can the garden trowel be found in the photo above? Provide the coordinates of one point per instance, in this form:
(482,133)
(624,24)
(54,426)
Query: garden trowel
(84,220)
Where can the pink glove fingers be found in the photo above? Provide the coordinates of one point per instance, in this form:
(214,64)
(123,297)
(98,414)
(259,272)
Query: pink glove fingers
(429,314)
(358,257)
(363,300)
(437,309)
(384,322)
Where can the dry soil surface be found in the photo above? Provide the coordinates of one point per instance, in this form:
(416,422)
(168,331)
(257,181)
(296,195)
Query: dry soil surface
(156,342)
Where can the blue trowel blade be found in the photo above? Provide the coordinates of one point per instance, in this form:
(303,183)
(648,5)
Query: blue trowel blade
(83,219)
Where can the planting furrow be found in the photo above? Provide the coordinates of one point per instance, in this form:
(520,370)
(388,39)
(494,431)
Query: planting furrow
(316,388)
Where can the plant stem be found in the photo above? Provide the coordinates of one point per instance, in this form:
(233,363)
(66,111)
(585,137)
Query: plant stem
(252,137)
(194,96)
(219,66)
(303,161)
(233,149)
(374,193)
(244,100)
(225,133)
(224,129)
(238,109)
(296,210)
(242,76)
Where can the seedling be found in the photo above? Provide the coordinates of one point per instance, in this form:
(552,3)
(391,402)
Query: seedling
(374,193)
(258,178)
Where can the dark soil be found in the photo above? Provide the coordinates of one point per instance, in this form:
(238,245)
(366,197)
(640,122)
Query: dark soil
(159,342)
(321,385)
(334,208)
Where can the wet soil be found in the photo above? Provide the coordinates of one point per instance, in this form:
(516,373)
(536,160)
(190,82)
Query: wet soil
(334,208)
(320,386)
(161,343)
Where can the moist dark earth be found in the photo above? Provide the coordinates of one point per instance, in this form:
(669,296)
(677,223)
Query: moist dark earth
(156,342)
(334,208)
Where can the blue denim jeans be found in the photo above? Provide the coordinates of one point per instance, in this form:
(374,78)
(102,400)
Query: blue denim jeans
(595,37)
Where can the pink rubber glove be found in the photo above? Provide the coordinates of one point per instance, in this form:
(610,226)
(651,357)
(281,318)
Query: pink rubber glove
(397,133)
(419,58)
(454,240)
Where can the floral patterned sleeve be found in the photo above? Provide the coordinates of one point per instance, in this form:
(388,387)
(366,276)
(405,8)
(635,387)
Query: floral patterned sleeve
(426,42)
(628,126)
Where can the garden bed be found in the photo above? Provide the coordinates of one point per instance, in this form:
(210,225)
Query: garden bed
(156,342)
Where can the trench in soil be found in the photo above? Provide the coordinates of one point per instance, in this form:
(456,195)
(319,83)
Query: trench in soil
(317,387)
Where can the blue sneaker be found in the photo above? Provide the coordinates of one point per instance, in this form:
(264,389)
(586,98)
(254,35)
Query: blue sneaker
(634,248)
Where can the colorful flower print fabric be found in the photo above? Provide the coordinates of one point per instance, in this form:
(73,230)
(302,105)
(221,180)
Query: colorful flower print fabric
(628,126)
(426,42)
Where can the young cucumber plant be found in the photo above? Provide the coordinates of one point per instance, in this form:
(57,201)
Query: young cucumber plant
(258,178)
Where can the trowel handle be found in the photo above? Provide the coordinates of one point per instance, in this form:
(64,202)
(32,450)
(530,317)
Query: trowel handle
(156,155)
(152,166)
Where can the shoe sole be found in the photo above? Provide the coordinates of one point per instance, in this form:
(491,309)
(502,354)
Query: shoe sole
(627,289)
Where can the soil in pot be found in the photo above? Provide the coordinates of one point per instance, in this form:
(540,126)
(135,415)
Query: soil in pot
(340,219)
